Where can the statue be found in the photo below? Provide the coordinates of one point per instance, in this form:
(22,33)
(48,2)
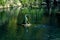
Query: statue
(26,22)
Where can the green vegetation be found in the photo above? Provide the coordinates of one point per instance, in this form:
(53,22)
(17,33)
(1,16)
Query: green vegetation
(3,2)
(27,3)
(10,3)
(31,2)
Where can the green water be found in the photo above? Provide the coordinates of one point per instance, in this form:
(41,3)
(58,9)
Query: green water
(11,20)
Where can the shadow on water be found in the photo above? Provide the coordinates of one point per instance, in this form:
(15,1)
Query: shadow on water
(11,20)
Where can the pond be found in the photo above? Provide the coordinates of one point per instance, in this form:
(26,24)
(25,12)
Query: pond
(12,21)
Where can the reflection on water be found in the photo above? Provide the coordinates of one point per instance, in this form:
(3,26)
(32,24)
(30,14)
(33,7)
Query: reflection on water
(11,20)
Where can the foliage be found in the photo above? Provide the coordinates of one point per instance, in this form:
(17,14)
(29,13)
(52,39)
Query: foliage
(31,2)
(24,2)
(2,2)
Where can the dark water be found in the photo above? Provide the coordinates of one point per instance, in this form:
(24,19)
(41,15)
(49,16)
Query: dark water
(43,26)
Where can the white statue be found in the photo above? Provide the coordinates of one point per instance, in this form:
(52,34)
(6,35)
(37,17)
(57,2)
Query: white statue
(27,23)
